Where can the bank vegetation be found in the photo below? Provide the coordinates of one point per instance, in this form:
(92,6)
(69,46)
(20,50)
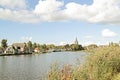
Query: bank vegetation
(102,63)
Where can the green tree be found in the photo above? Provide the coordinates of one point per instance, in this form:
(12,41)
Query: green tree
(51,46)
(67,47)
(29,44)
(44,47)
(4,43)
(76,47)
(34,45)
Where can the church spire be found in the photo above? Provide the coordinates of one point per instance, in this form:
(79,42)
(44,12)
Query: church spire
(76,41)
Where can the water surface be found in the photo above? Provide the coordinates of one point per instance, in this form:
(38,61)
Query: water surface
(33,67)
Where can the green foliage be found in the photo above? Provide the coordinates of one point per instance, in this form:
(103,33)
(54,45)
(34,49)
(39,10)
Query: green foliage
(42,47)
(4,43)
(34,45)
(29,44)
(67,47)
(76,47)
(51,46)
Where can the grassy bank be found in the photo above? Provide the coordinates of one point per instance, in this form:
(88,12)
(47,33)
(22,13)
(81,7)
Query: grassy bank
(101,64)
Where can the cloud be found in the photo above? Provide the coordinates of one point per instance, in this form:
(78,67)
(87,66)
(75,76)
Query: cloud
(47,7)
(13,4)
(21,16)
(15,10)
(49,10)
(100,11)
(108,33)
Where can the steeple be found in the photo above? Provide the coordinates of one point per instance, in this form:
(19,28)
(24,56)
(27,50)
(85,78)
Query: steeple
(76,41)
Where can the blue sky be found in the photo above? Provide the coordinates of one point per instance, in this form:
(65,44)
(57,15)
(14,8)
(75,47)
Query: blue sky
(35,26)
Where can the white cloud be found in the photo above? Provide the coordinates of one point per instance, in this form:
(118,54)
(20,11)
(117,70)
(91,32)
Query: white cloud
(49,10)
(13,4)
(17,11)
(108,33)
(47,7)
(100,11)
(21,16)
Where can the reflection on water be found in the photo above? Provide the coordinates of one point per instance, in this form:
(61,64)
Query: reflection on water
(33,67)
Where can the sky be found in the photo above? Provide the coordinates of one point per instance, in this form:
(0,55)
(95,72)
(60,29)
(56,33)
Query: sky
(60,21)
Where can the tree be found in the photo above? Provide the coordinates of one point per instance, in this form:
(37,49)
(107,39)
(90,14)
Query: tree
(76,47)
(29,44)
(34,45)
(4,43)
(51,46)
(67,47)
(44,46)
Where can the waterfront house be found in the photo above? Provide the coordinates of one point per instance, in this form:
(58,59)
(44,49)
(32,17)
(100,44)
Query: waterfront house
(1,50)
(21,47)
(18,48)
(37,50)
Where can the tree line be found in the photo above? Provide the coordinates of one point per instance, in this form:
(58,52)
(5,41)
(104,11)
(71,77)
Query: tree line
(68,47)
(44,47)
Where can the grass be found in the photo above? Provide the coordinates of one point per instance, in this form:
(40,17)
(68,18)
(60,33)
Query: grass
(101,64)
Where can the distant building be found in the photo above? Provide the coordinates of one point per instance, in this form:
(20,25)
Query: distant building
(37,50)
(1,50)
(21,47)
(17,48)
(76,41)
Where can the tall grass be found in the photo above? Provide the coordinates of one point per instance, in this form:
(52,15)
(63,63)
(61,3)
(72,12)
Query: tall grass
(101,64)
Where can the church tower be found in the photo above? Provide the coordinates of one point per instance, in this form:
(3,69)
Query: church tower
(76,41)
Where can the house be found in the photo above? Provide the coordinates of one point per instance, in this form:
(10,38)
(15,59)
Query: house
(1,50)
(36,50)
(21,48)
(18,48)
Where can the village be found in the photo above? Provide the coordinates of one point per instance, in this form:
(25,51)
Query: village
(36,48)
(29,48)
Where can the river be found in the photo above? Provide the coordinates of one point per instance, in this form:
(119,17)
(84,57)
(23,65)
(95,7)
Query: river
(33,67)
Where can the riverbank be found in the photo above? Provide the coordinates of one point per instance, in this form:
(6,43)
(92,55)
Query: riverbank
(44,52)
(15,54)
(102,64)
